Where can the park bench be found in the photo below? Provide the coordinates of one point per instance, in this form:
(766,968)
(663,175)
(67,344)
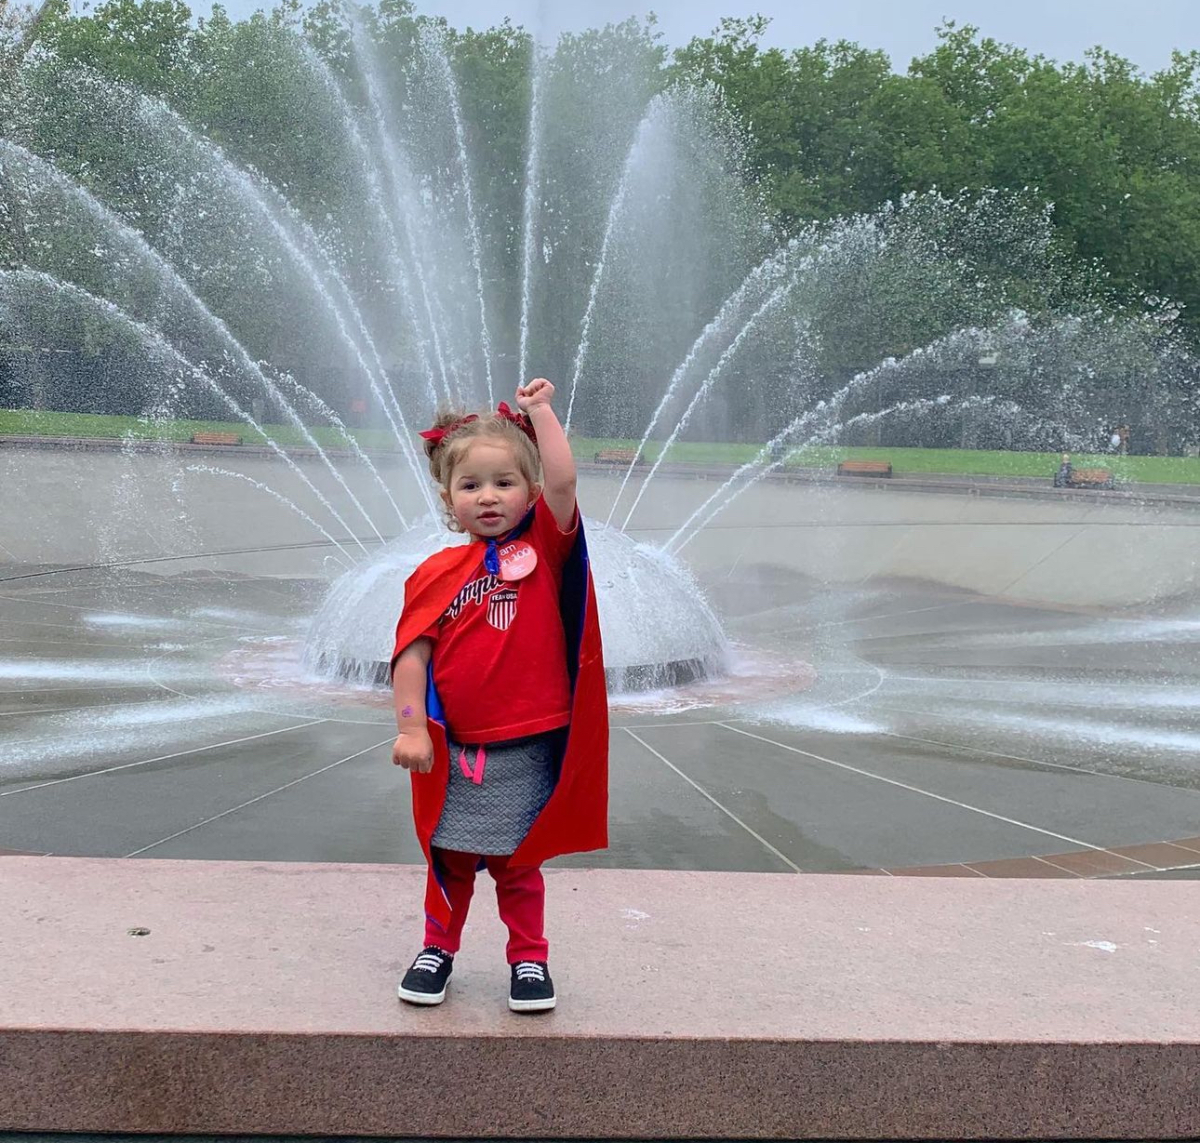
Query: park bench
(216,439)
(1090,478)
(864,468)
(619,456)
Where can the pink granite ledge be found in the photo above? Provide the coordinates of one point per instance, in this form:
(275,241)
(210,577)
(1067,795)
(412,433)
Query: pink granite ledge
(692,1004)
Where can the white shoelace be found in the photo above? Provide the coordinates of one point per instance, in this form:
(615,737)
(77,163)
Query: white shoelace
(428,962)
(530,970)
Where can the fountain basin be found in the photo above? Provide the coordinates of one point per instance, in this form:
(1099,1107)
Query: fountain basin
(658,629)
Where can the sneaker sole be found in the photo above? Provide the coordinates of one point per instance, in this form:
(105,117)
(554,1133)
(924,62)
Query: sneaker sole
(426,998)
(532,1005)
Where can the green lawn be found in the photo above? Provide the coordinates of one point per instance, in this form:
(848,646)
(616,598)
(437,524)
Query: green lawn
(29,422)
(909,461)
(1145,469)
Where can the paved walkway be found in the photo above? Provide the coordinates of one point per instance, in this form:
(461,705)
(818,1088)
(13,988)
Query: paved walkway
(152,703)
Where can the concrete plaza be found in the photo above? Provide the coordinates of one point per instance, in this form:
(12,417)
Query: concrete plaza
(976,685)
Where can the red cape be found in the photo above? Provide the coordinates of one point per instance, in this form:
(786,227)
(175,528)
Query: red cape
(575,818)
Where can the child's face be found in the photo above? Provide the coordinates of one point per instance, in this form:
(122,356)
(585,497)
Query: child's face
(488,494)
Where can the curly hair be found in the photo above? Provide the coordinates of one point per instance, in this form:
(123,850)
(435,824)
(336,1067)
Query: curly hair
(444,455)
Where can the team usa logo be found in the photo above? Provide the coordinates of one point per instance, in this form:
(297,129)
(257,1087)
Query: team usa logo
(502,608)
(501,605)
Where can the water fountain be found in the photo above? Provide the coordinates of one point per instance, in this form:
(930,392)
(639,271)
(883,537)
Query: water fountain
(622,253)
(661,631)
(610,261)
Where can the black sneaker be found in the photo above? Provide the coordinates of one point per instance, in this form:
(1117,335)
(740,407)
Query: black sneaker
(425,982)
(531,990)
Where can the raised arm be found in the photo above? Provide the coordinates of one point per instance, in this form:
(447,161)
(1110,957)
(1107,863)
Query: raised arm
(558,465)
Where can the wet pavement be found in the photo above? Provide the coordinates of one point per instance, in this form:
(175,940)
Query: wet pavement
(156,706)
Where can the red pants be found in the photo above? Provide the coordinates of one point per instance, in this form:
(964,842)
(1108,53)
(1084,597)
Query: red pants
(520,893)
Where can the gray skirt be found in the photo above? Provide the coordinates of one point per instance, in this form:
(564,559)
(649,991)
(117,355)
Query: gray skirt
(492,817)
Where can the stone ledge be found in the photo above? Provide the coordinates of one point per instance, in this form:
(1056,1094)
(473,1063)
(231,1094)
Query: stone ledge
(692,1004)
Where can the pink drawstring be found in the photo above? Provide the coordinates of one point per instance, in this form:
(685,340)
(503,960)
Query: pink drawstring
(475,775)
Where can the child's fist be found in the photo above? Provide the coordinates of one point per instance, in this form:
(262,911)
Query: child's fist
(413,751)
(539,391)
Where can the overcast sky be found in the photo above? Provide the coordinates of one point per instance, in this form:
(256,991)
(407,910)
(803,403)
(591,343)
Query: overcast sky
(1143,30)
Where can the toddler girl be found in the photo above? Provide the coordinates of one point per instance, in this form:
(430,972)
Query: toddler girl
(498,681)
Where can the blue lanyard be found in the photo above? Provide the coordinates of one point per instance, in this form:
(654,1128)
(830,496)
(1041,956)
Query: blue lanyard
(491,558)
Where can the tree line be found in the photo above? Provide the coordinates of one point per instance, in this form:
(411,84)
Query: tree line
(1109,155)
(831,128)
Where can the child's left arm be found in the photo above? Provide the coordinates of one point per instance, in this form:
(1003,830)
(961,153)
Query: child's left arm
(558,465)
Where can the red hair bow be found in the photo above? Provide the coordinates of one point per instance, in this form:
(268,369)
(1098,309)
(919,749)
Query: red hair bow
(519,419)
(502,410)
(438,435)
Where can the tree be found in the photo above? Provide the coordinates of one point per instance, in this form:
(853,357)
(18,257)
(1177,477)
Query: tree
(1051,185)
(141,41)
(1116,153)
(803,111)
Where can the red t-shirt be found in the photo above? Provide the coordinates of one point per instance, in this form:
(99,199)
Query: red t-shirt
(500,654)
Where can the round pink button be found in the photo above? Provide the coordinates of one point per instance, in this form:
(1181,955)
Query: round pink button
(517,560)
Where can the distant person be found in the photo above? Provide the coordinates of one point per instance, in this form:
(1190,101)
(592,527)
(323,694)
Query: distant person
(1062,478)
(498,666)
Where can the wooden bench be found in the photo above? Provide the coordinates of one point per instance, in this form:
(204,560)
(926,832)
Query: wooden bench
(216,438)
(619,456)
(1090,478)
(864,468)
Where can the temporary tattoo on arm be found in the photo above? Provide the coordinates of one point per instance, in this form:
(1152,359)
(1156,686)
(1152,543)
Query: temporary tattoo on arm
(407,712)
